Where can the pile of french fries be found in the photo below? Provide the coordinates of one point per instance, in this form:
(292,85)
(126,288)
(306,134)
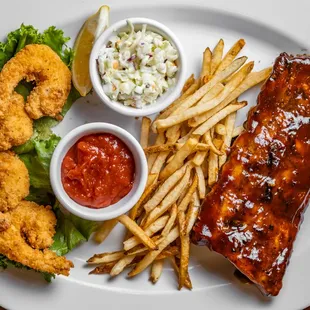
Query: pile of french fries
(193,135)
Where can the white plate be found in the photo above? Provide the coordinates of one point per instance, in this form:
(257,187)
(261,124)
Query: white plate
(197,26)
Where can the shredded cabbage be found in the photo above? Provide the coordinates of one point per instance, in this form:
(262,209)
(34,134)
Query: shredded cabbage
(137,67)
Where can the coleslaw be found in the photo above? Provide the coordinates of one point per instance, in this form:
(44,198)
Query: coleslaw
(137,67)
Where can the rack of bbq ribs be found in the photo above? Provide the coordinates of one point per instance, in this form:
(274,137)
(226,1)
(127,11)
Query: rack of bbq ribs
(254,211)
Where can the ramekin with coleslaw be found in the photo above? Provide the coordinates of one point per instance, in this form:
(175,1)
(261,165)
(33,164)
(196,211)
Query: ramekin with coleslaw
(137,67)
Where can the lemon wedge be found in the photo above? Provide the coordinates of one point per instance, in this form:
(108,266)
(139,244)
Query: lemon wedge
(90,31)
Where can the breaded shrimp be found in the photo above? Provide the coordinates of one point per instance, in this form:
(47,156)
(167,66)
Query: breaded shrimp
(28,236)
(4,222)
(38,226)
(40,64)
(16,127)
(14,181)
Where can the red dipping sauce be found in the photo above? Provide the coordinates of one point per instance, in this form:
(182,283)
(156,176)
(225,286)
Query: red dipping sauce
(98,170)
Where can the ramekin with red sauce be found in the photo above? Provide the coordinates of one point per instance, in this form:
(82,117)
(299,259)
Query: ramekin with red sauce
(98,171)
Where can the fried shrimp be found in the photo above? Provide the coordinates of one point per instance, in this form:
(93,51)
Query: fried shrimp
(27,237)
(36,63)
(16,127)
(14,181)
(4,222)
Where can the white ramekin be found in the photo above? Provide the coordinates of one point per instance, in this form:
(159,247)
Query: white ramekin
(122,206)
(164,100)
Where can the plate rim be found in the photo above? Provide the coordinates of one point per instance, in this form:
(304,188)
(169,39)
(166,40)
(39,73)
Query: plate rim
(223,6)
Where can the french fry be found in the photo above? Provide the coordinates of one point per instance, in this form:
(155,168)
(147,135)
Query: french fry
(195,198)
(138,207)
(212,121)
(145,131)
(212,132)
(186,137)
(166,112)
(152,158)
(162,157)
(106,257)
(229,124)
(217,55)
(151,179)
(187,198)
(168,252)
(160,139)
(213,164)
(175,266)
(143,219)
(173,147)
(212,94)
(251,80)
(208,105)
(188,83)
(191,216)
(184,247)
(230,56)
(201,183)
(139,250)
(184,259)
(208,140)
(199,158)
(169,200)
(184,130)
(237,131)
(228,89)
(181,221)
(220,129)
(171,221)
(136,230)
(150,161)
(178,158)
(169,159)
(206,63)
(159,162)
(156,270)
(104,230)
(121,265)
(103,269)
(173,133)
(204,167)
(164,189)
(159,224)
(184,192)
(191,100)
(151,256)
(190,91)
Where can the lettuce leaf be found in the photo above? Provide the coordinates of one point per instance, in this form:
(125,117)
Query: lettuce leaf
(5,263)
(41,131)
(56,40)
(16,40)
(73,96)
(71,230)
(38,160)
(41,196)
(19,38)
